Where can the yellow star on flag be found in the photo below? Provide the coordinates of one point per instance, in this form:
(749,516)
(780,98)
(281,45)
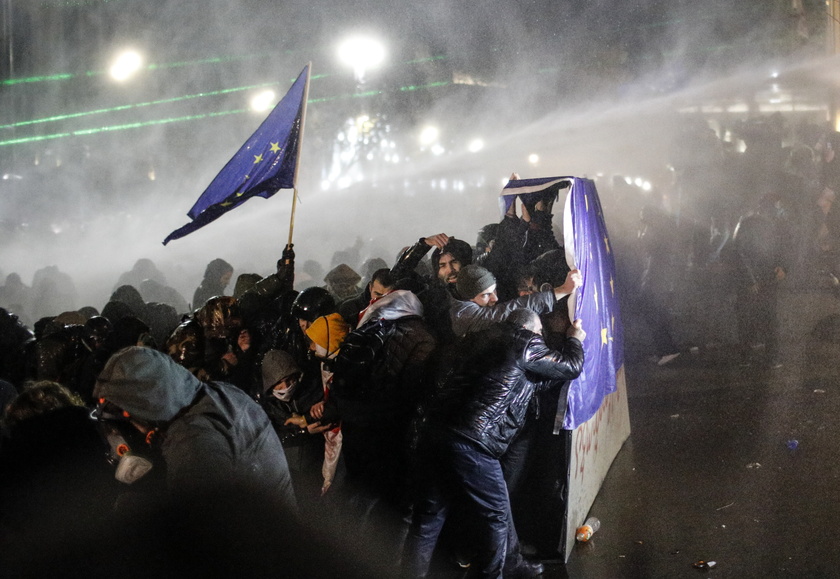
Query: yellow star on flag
(275,147)
(604,339)
(257,159)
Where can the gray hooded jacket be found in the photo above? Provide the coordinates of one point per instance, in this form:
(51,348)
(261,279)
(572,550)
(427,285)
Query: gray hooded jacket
(213,433)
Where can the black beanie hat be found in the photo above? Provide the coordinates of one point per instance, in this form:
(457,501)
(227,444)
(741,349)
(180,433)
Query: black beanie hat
(472,280)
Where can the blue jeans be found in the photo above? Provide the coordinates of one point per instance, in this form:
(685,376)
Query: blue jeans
(459,469)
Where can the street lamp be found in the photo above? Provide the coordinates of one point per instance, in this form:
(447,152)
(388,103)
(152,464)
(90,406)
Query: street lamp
(429,135)
(263,101)
(361,53)
(125,65)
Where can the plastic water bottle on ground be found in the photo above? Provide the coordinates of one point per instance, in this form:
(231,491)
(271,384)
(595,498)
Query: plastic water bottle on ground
(585,531)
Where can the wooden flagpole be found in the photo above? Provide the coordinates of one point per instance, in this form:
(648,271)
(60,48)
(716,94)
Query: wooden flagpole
(300,147)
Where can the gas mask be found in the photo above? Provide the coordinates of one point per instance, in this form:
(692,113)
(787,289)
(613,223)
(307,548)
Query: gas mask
(122,438)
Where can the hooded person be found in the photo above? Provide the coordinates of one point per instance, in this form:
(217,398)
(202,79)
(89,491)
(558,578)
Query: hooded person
(217,276)
(286,394)
(130,296)
(144,269)
(342,282)
(154,291)
(211,435)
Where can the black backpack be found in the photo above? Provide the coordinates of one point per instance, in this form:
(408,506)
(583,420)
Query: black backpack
(360,368)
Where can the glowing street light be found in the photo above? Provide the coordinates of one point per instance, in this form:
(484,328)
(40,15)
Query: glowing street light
(126,65)
(263,101)
(361,53)
(475,145)
(533,158)
(429,135)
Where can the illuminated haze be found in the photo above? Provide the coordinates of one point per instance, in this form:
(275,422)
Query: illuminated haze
(594,89)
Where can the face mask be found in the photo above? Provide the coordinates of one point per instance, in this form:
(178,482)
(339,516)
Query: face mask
(284,394)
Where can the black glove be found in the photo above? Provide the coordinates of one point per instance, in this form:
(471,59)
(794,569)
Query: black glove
(287,258)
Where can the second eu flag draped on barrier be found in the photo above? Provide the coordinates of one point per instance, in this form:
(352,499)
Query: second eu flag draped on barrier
(265,164)
(587,247)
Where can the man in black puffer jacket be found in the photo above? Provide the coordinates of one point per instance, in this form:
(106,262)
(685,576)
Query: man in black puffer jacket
(375,402)
(479,409)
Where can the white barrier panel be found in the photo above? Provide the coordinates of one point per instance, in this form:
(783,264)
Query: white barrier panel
(594,445)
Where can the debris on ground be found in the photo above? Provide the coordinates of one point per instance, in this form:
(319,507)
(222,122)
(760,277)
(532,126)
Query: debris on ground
(704,564)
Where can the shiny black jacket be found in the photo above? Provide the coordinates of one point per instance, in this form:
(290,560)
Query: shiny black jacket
(486,394)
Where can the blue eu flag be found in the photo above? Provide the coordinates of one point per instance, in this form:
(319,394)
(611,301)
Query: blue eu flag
(587,240)
(262,166)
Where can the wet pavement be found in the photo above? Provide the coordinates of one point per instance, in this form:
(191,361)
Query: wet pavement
(728,461)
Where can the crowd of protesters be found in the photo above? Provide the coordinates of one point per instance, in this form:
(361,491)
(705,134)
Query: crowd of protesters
(392,403)
(702,258)
(348,409)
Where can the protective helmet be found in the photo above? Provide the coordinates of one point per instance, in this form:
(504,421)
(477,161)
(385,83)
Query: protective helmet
(312,303)
(186,345)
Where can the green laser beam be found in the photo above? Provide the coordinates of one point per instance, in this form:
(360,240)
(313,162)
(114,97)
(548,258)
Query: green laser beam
(140,124)
(134,106)
(139,105)
(137,125)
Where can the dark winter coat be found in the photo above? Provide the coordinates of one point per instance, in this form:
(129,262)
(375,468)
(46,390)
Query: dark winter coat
(399,372)
(485,398)
(467,316)
(307,393)
(377,413)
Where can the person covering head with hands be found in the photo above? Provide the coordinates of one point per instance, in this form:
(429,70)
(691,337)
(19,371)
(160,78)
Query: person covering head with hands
(448,257)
